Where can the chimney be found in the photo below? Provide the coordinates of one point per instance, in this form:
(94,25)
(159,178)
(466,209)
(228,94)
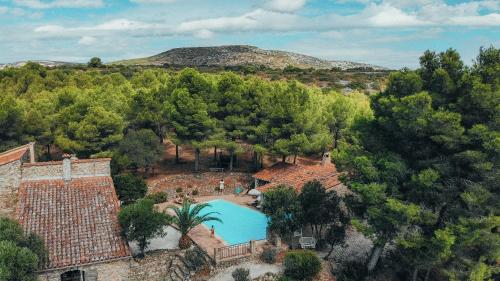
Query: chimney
(32,151)
(66,167)
(326,159)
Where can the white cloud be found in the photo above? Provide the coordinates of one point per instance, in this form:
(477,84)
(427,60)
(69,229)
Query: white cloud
(383,15)
(87,40)
(285,5)
(204,34)
(37,4)
(386,15)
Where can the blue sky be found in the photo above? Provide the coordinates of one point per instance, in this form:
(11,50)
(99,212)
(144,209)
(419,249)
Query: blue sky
(391,33)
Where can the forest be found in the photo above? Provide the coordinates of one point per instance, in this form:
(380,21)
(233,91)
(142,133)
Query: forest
(421,157)
(88,111)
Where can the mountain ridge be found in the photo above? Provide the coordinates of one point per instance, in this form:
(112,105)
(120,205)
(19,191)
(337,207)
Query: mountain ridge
(240,55)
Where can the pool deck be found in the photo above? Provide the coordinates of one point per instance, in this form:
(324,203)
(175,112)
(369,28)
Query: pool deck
(201,234)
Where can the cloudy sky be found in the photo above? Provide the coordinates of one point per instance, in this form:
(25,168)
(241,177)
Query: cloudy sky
(391,33)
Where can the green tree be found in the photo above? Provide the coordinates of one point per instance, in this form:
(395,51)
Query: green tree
(141,222)
(129,188)
(94,62)
(282,206)
(431,145)
(17,263)
(142,149)
(148,109)
(190,120)
(188,216)
(20,255)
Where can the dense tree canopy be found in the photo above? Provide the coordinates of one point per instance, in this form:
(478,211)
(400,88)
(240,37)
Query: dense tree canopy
(88,111)
(425,169)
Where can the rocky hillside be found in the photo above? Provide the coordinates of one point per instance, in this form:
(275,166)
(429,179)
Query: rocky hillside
(46,63)
(238,55)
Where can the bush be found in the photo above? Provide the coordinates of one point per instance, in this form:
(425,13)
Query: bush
(195,192)
(241,274)
(178,190)
(129,187)
(352,271)
(158,197)
(302,265)
(195,259)
(269,255)
(284,278)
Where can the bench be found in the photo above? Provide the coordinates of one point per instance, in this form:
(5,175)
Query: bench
(216,169)
(307,242)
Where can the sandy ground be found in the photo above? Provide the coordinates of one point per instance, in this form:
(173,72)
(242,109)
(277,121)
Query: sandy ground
(256,269)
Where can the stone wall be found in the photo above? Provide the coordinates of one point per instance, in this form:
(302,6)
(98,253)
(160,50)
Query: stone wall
(154,266)
(54,170)
(118,270)
(10,178)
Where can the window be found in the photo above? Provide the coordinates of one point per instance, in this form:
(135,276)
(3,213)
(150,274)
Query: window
(74,275)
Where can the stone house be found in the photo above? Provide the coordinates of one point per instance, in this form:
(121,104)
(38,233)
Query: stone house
(72,205)
(10,175)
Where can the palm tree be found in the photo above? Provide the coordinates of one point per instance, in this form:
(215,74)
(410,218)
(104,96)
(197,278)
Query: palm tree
(187,217)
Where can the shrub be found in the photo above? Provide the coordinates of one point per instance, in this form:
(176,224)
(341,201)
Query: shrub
(129,187)
(195,259)
(195,192)
(302,265)
(178,190)
(352,271)
(269,255)
(284,278)
(158,197)
(241,274)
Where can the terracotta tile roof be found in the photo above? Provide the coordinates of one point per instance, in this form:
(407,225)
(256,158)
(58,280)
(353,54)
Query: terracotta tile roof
(77,219)
(13,154)
(297,175)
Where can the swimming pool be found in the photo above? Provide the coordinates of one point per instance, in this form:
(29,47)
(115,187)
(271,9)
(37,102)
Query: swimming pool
(239,224)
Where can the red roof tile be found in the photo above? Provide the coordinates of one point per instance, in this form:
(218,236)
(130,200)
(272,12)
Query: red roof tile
(13,154)
(297,175)
(77,219)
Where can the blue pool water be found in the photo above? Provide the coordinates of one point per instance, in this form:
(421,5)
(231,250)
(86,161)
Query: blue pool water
(239,224)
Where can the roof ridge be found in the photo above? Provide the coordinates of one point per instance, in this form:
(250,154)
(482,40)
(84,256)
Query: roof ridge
(15,149)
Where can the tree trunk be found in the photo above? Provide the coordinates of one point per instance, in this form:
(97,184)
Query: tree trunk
(329,253)
(176,154)
(197,159)
(254,160)
(231,156)
(440,220)
(261,158)
(48,152)
(415,274)
(295,159)
(215,154)
(375,256)
(427,274)
(283,159)
(336,137)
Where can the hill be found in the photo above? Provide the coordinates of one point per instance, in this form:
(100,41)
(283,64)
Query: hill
(240,55)
(46,63)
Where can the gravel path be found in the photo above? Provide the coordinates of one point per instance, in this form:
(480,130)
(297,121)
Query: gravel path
(256,269)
